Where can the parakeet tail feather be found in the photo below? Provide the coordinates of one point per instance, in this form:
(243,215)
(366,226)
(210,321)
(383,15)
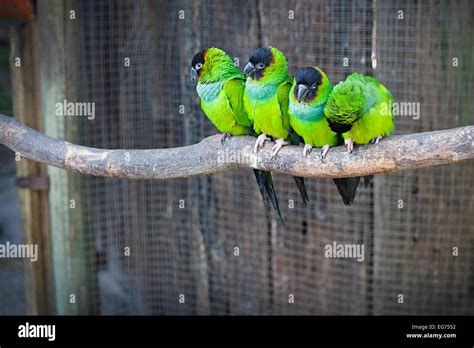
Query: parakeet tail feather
(367,180)
(267,190)
(347,188)
(302,188)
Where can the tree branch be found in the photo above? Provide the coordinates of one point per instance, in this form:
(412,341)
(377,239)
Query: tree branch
(207,157)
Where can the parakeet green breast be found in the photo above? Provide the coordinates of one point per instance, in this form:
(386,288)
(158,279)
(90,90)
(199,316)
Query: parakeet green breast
(221,87)
(266,92)
(307,99)
(360,109)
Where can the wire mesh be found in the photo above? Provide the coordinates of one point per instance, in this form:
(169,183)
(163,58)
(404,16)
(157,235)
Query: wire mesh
(203,245)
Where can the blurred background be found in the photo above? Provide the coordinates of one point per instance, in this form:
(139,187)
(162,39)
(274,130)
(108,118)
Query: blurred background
(110,246)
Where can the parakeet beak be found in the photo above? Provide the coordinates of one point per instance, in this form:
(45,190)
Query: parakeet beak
(249,69)
(194,75)
(301,92)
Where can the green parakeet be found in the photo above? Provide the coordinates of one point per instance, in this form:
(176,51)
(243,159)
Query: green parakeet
(360,108)
(266,101)
(220,86)
(308,97)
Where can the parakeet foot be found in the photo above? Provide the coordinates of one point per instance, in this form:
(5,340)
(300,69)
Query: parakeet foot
(260,142)
(307,150)
(225,136)
(278,145)
(350,145)
(376,140)
(324,152)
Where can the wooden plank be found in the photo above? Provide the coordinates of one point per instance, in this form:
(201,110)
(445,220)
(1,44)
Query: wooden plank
(142,214)
(320,34)
(414,244)
(73,249)
(191,43)
(235,284)
(107,200)
(34,207)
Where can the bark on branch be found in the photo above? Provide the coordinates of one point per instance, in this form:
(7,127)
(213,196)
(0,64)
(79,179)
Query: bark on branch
(207,157)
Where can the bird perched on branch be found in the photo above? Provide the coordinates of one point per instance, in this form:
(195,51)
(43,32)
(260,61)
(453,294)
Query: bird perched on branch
(220,86)
(360,109)
(307,99)
(266,101)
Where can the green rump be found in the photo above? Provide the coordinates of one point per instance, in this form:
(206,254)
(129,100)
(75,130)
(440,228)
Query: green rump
(362,104)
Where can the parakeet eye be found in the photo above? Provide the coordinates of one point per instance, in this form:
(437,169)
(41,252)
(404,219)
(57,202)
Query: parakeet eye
(313,86)
(198,66)
(260,66)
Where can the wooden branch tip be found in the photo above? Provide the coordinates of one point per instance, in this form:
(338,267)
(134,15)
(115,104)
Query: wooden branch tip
(210,156)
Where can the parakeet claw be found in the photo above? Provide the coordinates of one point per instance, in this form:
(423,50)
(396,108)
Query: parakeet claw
(260,142)
(324,152)
(225,136)
(350,145)
(277,147)
(307,150)
(376,140)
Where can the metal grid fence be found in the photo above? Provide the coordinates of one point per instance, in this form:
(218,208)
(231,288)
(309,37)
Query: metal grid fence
(181,234)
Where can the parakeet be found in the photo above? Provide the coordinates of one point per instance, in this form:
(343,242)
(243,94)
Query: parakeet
(360,109)
(220,86)
(266,101)
(307,99)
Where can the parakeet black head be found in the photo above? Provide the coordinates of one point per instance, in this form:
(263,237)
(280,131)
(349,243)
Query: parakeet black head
(307,82)
(197,64)
(258,61)
(267,65)
(311,86)
(211,65)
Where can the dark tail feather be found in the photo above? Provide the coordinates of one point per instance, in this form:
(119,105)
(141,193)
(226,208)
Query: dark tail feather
(267,190)
(367,180)
(302,188)
(347,188)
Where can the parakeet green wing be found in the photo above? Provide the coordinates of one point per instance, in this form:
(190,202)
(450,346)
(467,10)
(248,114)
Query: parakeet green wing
(234,91)
(282,94)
